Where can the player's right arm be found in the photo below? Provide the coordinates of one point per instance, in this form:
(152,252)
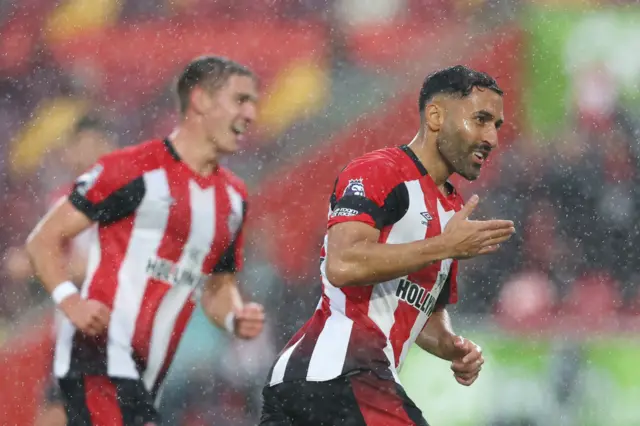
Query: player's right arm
(46,248)
(107,193)
(355,256)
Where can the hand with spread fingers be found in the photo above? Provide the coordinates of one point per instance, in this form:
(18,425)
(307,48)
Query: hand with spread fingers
(469,238)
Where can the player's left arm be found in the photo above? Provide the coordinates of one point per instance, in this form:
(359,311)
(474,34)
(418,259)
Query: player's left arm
(438,338)
(437,335)
(222,303)
(221,299)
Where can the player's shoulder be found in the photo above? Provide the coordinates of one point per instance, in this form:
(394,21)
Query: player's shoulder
(234,181)
(125,165)
(383,156)
(135,160)
(136,155)
(389,164)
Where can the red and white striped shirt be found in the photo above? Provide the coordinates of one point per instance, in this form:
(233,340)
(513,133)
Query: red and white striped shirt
(162,230)
(373,327)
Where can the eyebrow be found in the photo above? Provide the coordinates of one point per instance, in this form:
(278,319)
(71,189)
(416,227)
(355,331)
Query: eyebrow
(243,96)
(487,115)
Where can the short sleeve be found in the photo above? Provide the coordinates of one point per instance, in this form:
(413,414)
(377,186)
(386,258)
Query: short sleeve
(368,191)
(108,192)
(233,258)
(449,294)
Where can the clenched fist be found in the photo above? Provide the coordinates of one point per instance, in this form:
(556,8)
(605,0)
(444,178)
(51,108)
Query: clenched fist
(467,360)
(89,316)
(249,321)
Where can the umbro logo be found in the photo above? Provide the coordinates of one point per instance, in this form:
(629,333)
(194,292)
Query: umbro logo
(427,218)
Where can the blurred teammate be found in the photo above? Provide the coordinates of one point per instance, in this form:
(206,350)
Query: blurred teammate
(88,141)
(170,223)
(396,230)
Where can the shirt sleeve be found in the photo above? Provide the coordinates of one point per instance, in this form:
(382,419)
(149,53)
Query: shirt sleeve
(233,258)
(106,193)
(370,192)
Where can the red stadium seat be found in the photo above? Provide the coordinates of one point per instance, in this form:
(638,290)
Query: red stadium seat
(526,302)
(593,300)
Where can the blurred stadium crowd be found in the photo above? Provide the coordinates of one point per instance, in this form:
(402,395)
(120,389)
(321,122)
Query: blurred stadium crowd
(338,79)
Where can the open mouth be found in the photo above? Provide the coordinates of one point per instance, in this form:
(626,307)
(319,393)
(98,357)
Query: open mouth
(479,156)
(481,153)
(238,129)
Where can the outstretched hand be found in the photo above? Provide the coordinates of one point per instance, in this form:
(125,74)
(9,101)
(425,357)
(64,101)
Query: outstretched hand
(469,238)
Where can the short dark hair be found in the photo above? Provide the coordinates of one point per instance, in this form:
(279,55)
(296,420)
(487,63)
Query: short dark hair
(457,80)
(212,71)
(91,122)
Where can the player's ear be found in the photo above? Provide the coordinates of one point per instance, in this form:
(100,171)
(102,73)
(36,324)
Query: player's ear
(199,99)
(434,117)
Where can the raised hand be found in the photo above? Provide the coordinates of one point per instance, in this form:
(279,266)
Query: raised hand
(468,238)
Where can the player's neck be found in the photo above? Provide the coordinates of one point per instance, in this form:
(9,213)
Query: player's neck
(428,154)
(194,150)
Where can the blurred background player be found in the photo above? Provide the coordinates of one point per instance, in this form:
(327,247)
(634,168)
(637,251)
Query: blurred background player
(397,228)
(169,226)
(90,138)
